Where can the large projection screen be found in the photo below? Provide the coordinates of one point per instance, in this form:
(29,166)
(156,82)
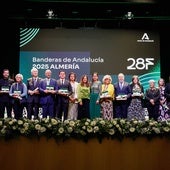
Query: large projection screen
(88,50)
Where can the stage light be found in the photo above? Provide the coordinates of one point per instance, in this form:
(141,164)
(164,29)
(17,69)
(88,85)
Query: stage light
(50,14)
(129,15)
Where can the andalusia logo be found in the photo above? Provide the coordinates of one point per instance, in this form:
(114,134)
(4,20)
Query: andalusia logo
(145,38)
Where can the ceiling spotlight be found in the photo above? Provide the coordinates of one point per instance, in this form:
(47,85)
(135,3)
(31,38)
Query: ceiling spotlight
(50,14)
(129,15)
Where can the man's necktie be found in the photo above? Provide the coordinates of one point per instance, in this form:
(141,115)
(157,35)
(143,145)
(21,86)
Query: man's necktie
(35,82)
(121,85)
(48,82)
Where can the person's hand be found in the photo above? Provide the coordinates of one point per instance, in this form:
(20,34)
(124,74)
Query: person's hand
(97,101)
(30,92)
(152,101)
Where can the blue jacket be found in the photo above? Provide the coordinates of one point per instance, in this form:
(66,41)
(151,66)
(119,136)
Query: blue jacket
(47,97)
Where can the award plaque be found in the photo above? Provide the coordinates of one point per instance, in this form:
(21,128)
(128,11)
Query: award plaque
(63,91)
(105,97)
(49,88)
(121,97)
(136,94)
(5,89)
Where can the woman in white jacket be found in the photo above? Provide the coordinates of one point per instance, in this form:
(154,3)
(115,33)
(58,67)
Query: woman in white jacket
(73,102)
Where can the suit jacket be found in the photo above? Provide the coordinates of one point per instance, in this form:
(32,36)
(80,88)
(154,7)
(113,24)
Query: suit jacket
(31,86)
(4,97)
(124,91)
(44,97)
(152,94)
(66,85)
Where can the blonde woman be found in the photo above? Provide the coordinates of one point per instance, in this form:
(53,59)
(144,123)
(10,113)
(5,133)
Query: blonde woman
(106,97)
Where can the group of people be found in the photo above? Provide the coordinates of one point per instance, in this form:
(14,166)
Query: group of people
(65,98)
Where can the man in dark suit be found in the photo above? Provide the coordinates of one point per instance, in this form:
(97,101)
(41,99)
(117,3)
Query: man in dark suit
(64,91)
(48,89)
(5,99)
(122,94)
(33,97)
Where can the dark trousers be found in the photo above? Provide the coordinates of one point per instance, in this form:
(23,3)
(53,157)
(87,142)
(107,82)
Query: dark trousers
(48,110)
(18,109)
(121,109)
(84,109)
(62,108)
(32,109)
(153,111)
(8,107)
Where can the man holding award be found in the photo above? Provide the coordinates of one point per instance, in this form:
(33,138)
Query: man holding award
(62,97)
(33,94)
(5,99)
(48,89)
(122,93)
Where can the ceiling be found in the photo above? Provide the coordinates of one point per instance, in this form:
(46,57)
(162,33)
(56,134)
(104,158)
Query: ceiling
(100,13)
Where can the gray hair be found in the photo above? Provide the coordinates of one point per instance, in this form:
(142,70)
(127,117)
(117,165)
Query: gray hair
(19,75)
(151,81)
(34,69)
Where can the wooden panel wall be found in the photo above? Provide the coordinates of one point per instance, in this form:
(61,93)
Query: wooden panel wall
(43,154)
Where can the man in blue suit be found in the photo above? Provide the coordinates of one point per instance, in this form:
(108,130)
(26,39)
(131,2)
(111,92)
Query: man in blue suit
(33,97)
(122,94)
(64,91)
(48,89)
